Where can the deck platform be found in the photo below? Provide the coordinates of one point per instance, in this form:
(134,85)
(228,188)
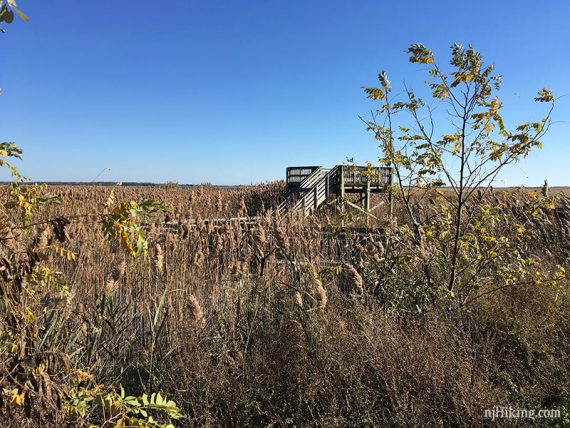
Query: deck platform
(309,187)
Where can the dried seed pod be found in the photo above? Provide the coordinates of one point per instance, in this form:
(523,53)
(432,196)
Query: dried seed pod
(219,203)
(42,239)
(320,295)
(171,241)
(196,312)
(158,259)
(218,244)
(152,230)
(282,239)
(260,235)
(319,292)
(110,285)
(314,277)
(242,208)
(198,258)
(297,298)
(354,278)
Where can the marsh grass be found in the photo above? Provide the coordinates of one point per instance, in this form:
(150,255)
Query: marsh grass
(295,322)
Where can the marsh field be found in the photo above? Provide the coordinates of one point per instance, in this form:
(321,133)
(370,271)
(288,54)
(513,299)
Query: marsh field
(289,321)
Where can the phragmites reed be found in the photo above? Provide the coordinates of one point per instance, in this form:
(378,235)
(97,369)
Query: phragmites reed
(158,260)
(198,258)
(320,295)
(236,268)
(354,278)
(171,241)
(219,243)
(110,285)
(152,230)
(282,238)
(219,203)
(242,208)
(297,298)
(319,292)
(196,313)
(42,239)
(260,235)
(119,270)
(112,281)
(263,287)
(8,240)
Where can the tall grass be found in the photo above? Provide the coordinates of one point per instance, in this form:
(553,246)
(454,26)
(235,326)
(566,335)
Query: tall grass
(293,322)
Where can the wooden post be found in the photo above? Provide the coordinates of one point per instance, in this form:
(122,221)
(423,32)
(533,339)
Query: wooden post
(367,202)
(390,198)
(353,176)
(367,197)
(315,195)
(341,180)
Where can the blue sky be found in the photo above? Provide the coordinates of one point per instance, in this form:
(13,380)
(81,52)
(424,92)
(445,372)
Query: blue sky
(235,91)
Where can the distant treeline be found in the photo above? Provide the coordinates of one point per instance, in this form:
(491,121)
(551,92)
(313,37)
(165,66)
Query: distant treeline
(127,184)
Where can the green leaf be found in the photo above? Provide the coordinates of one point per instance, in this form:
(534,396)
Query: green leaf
(420,54)
(544,96)
(7,16)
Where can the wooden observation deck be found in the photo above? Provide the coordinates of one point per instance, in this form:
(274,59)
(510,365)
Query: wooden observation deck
(308,187)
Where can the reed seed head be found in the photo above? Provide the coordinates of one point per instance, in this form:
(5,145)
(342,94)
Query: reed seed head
(354,278)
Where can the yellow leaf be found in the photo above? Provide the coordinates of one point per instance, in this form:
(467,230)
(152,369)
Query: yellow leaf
(82,375)
(494,106)
(21,14)
(18,398)
(456,146)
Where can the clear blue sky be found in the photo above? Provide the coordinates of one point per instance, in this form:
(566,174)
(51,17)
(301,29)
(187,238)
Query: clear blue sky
(234,91)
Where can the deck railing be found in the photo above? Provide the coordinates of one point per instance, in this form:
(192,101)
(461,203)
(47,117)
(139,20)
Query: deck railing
(360,176)
(296,174)
(311,186)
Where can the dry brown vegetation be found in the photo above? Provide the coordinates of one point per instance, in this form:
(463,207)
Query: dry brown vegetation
(299,322)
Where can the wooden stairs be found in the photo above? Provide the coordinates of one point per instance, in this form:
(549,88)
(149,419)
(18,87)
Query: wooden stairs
(309,187)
